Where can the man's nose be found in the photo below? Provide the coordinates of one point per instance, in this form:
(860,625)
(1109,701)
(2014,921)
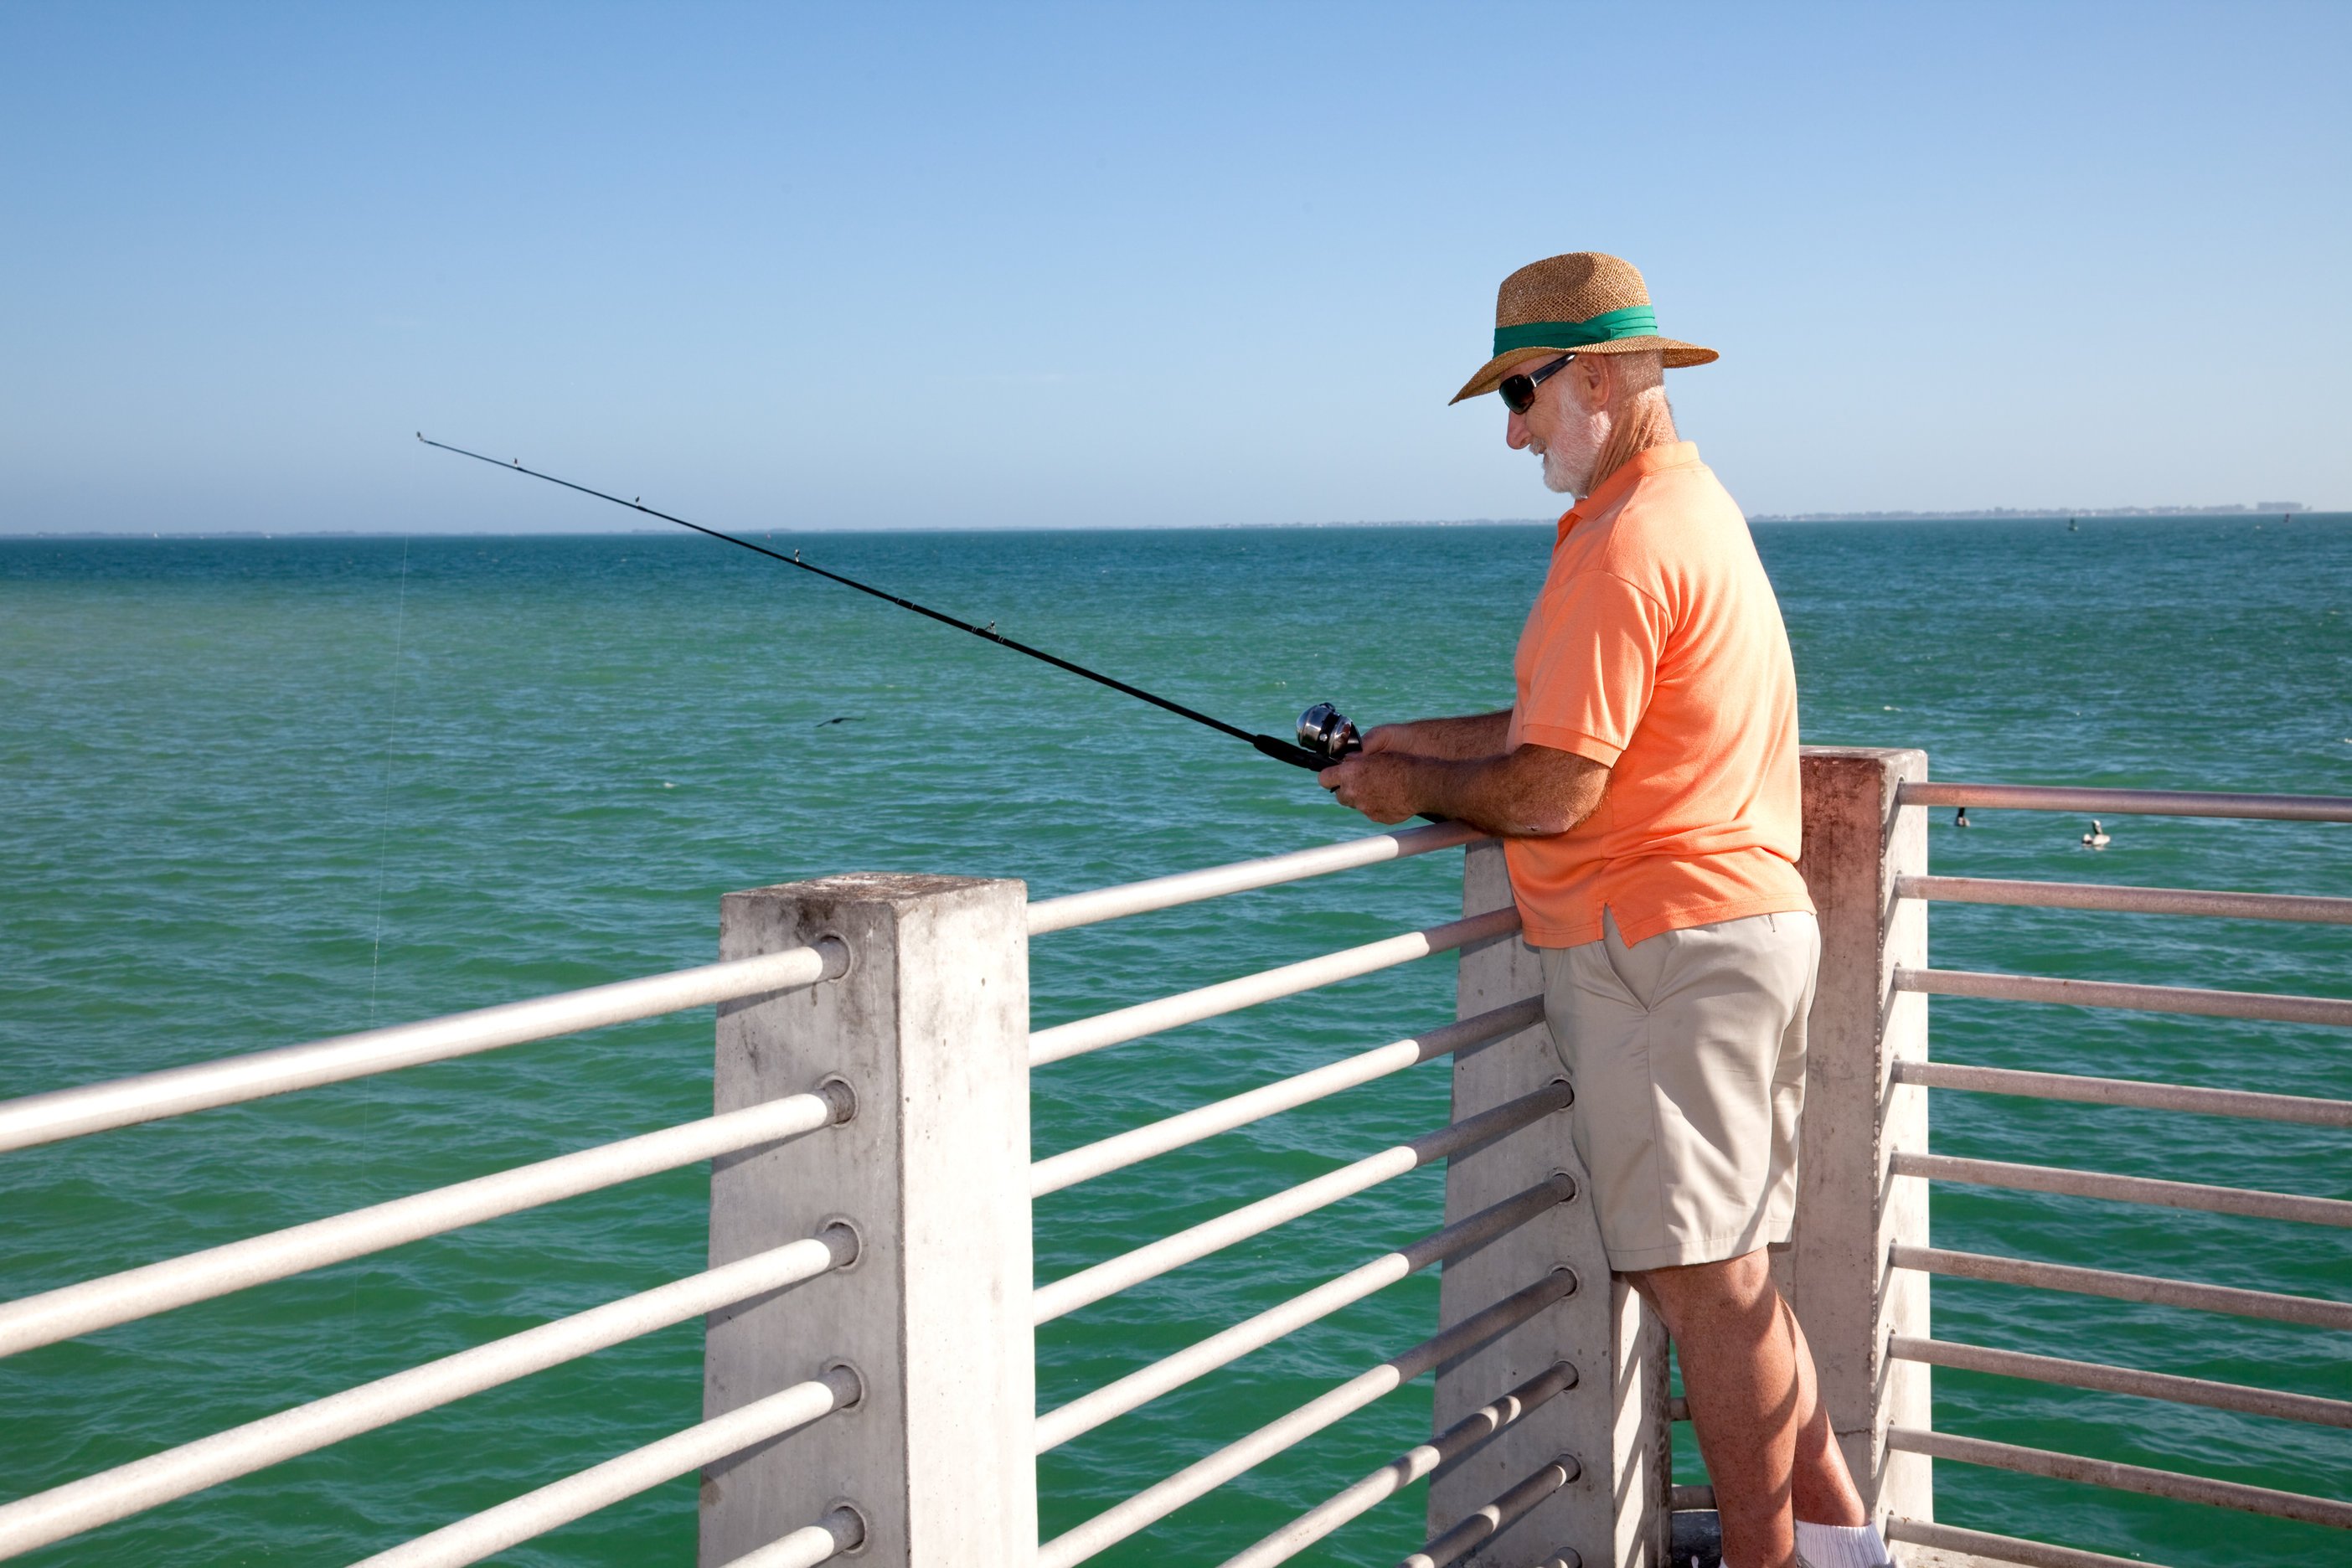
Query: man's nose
(1515,433)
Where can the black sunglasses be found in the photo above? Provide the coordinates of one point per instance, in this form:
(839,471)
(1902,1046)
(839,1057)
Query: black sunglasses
(1520,391)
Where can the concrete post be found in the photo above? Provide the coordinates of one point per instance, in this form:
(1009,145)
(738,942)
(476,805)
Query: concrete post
(1850,1211)
(1614,1421)
(930,1030)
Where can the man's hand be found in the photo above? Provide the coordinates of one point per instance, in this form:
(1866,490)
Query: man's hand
(1375,783)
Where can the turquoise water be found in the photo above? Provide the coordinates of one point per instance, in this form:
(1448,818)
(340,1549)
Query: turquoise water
(262,791)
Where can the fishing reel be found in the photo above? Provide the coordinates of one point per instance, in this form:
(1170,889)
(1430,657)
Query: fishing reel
(1327,732)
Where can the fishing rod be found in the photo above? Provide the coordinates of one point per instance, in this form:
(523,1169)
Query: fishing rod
(1325,735)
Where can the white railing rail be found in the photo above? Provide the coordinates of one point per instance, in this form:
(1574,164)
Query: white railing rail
(176,1091)
(1080,1036)
(1216,881)
(2076,801)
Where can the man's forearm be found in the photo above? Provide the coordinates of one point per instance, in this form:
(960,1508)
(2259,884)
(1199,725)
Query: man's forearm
(1472,735)
(1514,795)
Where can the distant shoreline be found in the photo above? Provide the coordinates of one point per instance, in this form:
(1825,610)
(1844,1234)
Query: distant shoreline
(1994,514)
(2027,514)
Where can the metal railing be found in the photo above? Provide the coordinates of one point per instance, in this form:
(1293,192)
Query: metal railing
(870,1225)
(72,1311)
(2111,1284)
(760,1130)
(1489,1225)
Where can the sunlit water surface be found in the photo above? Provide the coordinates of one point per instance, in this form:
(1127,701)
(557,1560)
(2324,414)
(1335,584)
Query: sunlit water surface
(261,791)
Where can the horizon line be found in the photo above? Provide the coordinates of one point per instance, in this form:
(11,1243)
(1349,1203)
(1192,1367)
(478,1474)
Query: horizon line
(1994,514)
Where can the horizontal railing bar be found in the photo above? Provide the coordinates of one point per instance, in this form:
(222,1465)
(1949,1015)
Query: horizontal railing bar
(2317,1311)
(842,1530)
(2126,900)
(1483,1524)
(53,1515)
(1081,1036)
(1406,1469)
(2021,1460)
(2104,1379)
(2246,1201)
(575,1497)
(175,1091)
(1171,1372)
(1216,882)
(2126,802)
(1203,1476)
(1152,1260)
(2293,1108)
(2196,999)
(2003,1548)
(1682,1498)
(72,1311)
(1121,1150)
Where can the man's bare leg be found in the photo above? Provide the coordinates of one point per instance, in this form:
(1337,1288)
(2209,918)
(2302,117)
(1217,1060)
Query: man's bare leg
(1822,1487)
(1755,1401)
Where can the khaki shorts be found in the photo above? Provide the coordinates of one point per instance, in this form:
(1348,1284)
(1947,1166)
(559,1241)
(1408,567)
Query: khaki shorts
(1688,1052)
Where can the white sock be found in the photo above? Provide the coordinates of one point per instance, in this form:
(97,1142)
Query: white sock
(1841,1545)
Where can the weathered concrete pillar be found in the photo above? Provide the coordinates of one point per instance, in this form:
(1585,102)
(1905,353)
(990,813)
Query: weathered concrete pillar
(1614,1421)
(929,1031)
(1850,1211)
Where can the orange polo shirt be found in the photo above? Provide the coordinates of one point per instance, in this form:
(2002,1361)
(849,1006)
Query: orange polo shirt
(1656,647)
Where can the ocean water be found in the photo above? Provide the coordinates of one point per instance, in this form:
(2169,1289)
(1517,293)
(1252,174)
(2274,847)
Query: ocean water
(254,792)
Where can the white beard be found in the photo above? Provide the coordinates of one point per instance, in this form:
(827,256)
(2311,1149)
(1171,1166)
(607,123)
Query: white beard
(1561,474)
(1567,464)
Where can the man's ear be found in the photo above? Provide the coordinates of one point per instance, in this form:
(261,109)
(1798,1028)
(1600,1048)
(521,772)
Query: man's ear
(1594,380)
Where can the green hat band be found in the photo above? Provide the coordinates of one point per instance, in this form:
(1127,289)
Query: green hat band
(1632,322)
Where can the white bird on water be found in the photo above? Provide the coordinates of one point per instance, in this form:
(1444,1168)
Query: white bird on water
(2098,838)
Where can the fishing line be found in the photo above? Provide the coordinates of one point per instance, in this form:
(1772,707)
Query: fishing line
(1325,737)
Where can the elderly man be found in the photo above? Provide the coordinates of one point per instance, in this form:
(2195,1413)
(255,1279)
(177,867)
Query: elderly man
(1645,782)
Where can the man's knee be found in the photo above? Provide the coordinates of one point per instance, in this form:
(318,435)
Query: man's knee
(1736,1284)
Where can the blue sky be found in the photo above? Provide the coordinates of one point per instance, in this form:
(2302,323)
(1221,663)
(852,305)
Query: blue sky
(917,266)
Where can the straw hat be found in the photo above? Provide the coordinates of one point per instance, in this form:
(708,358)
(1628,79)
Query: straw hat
(1592,303)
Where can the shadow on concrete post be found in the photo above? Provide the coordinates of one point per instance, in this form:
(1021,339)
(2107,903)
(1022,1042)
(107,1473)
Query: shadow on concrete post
(928,1030)
(1614,1515)
(1850,1210)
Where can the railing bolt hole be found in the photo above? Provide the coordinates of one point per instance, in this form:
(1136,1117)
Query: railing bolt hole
(848,1522)
(838,1371)
(842,1234)
(837,1092)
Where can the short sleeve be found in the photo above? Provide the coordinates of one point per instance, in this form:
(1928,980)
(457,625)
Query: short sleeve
(1592,669)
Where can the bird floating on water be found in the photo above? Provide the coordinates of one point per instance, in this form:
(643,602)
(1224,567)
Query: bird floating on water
(2098,838)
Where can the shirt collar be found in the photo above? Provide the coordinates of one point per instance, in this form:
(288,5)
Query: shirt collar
(1642,464)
